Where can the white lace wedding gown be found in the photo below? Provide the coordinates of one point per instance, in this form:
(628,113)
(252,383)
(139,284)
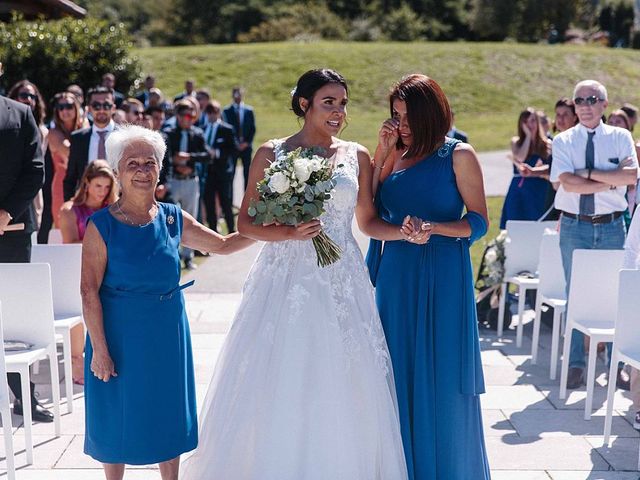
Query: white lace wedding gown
(303,388)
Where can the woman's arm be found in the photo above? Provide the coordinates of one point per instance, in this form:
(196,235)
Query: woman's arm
(387,138)
(59,146)
(69,224)
(366,215)
(94,263)
(273,233)
(520,152)
(197,236)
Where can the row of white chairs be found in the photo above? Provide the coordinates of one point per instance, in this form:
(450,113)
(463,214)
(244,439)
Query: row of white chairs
(41,303)
(603,303)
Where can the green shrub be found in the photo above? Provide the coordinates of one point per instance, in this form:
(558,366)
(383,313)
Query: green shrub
(403,25)
(58,53)
(297,21)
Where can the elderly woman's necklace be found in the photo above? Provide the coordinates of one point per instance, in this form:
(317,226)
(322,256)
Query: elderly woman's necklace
(124,215)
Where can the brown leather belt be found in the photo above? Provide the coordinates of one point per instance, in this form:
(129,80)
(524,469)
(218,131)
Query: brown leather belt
(594,219)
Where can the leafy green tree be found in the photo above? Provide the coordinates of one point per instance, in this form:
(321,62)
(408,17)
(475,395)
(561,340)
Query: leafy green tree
(57,53)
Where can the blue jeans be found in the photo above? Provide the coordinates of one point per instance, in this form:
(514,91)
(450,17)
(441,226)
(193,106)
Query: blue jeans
(575,234)
(186,193)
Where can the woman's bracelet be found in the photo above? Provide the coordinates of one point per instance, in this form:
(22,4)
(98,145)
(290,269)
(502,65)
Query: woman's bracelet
(380,167)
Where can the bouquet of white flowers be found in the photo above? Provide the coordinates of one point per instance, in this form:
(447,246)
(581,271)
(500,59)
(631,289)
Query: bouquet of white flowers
(293,191)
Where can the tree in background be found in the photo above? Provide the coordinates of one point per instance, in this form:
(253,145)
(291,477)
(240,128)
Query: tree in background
(57,53)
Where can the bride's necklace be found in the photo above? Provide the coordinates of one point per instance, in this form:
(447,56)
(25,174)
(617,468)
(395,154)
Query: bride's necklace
(128,220)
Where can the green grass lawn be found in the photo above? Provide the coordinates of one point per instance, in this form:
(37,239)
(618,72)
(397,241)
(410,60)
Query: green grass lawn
(488,84)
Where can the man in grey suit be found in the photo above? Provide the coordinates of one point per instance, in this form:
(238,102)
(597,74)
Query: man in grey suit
(21,177)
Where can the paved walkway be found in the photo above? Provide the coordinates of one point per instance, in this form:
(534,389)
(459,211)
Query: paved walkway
(530,433)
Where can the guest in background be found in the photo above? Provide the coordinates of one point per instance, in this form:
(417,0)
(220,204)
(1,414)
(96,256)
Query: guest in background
(204,98)
(149,83)
(134,111)
(88,144)
(79,94)
(67,118)
(545,125)
(594,164)
(221,144)
(619,118)
(97,190)
(156,99)
(530,154)
(157,117)
(109,81)
(242,118)
(632,112)
(185,149)
(22,175)
(189,91)
(139,383)
(27,93)
(119,117)
(565,115)
(455,133)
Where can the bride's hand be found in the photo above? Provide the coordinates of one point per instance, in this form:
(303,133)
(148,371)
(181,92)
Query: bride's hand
(306,231)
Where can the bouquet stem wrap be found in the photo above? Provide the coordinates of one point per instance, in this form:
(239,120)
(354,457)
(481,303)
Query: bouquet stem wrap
(327,251)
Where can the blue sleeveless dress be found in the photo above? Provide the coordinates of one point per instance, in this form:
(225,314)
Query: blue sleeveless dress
(526,197)
(426,301)
(147,414)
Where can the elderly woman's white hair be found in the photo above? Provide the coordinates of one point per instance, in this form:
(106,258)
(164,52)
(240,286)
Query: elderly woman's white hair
(600,88)
(123,136)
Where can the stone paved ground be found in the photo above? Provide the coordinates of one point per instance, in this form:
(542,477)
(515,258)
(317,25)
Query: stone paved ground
(530,433)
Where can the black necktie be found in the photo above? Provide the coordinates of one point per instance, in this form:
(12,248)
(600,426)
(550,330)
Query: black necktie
(587,201)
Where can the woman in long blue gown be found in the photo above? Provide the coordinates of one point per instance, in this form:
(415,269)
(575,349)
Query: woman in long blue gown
(424,286)
(139,384)
(531,156)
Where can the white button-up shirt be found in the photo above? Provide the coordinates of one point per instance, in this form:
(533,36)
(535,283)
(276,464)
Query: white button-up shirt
(95,140)
(611,146)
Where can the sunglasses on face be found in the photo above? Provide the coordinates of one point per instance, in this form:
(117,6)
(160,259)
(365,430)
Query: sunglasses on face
(25,96)
(101,106)
(64,106)
(592,100)
(137,113)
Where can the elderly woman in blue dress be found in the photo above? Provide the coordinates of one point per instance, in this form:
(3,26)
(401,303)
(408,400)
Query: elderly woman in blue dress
(139,390)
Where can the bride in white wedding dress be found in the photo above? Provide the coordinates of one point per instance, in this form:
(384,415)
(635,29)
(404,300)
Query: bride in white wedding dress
(303,388)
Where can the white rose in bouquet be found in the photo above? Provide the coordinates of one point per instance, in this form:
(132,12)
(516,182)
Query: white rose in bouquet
(302,169)
(279,183)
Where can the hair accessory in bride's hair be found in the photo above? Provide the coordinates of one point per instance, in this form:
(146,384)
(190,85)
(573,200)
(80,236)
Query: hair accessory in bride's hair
(293,92)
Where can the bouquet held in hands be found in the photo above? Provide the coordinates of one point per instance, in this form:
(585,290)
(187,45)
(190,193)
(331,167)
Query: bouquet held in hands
(294,190)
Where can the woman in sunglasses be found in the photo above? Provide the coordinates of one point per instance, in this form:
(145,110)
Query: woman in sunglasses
(67,117)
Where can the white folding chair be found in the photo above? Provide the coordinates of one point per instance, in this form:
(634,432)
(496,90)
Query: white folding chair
(65,262)
(626,342)
(55,236)
(551,292)
(592,309)
(25,292)
(34,238)
(522,251)
(5,411)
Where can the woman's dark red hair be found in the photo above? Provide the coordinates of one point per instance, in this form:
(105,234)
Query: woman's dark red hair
(428,113)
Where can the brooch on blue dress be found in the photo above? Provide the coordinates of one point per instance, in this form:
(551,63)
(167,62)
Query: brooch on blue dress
(170,220)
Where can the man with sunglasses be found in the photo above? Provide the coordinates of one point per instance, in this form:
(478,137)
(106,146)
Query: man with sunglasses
(594,163)
(88,144)
(185,149)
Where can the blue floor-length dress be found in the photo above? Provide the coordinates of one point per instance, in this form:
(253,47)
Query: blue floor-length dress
(147,414)
(526,197)
(426,302)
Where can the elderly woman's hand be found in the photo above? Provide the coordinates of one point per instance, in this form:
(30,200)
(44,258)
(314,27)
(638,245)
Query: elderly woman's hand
(102,366)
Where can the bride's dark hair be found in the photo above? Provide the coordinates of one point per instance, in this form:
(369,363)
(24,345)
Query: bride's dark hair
(312,81)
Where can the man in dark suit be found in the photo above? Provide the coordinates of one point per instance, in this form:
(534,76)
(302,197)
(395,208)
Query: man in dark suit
(109,81)
(149,83)
(21,177)
(455,133)
(189,91)
(242,118)
(88,144)
(185,149)
(221,144)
